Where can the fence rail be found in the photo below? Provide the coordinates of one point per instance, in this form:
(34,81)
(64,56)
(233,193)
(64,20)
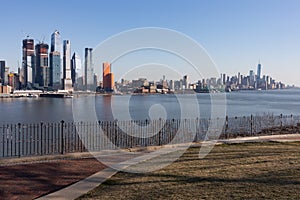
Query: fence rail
(18,140)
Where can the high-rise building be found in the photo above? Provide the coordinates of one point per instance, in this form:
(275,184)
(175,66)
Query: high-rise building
(2,72)
(89,70)
(55,42)
(55,80)
(75,68)
(185,81)
(42,75)
(28,63)
(67,76)
(258,70)
(55,61)
(251,78)
(108,78)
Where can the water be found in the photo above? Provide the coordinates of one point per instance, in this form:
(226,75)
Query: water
(244,103)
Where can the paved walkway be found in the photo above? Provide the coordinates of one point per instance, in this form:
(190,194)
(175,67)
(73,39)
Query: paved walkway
(82,187)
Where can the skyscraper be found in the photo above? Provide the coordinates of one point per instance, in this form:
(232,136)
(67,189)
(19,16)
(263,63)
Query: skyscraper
(75,67)
(89,70)
(67,78)
(55,42)
(42,75)
(258,71)
(28,63)
(55,61)
(2,72)
(108,78)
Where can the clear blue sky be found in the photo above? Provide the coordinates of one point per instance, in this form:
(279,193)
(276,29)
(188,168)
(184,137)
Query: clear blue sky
(236,33)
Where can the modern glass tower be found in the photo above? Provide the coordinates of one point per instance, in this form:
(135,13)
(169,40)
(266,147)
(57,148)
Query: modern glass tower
(2,72)
(55,42)
(67,75)
(258,70)
(75,67)
(89,70)
(55,61)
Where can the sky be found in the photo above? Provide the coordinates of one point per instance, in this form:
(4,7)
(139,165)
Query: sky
(236,34)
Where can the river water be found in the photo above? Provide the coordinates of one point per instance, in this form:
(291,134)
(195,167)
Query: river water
(136,107)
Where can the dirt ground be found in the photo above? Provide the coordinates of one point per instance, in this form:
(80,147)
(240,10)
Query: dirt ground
(29,181)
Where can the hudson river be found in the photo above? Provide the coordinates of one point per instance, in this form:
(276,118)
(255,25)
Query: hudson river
(244,103)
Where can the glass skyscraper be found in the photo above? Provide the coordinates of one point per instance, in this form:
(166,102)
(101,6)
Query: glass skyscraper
(89,70)
(55,61)
(67,76)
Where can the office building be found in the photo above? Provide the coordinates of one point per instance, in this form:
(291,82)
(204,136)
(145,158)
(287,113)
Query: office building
(258,71)
(28,63)
(55,61)
(75,68)
(2,72)
(42,72)
(67,78)
(89,70)
(108,78)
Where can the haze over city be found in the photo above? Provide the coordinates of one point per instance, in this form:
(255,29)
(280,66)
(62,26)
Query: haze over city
(235,34)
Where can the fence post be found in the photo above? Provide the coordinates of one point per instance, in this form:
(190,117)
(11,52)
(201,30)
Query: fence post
(226,127)
(251,125)
(19,131)
(41,130)
(62,137)
(280,123)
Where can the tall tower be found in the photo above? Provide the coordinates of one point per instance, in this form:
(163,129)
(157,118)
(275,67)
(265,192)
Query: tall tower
(55,61)
(75,67)
(67,78)
(108,78)
(55,42)
(2,72)
(42,72)
(258,71)
(89,70)
(28,63)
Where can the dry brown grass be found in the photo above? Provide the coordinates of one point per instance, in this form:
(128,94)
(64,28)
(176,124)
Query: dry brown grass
(237,171)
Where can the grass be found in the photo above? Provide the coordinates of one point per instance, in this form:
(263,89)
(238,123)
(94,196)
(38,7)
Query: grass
(236,171)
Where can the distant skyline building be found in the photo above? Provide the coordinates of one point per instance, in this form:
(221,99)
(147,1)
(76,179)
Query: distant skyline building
(2,72)
(108,78)
(67,76)
(55,61)
(89,70)
(55,42)
(75,68)
(28,63)
(42,75)
(259,71)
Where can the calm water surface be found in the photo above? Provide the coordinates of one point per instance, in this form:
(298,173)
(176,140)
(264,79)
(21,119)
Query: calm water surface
(32,110)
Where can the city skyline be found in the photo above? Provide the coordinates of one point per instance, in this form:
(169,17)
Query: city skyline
(235,34)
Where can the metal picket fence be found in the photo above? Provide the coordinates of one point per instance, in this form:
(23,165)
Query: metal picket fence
(18,140)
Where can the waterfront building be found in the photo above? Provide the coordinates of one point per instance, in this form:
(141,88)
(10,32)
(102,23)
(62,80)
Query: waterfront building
(42,72)
(67,76)
(28,63)
(89,70)
(55,61)
(13,80)
(2,72)
(107,78)
(185,82)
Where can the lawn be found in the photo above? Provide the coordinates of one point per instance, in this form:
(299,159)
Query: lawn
(231,171)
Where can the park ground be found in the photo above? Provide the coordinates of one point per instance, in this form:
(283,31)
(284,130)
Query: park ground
(268,170)
(260,170)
